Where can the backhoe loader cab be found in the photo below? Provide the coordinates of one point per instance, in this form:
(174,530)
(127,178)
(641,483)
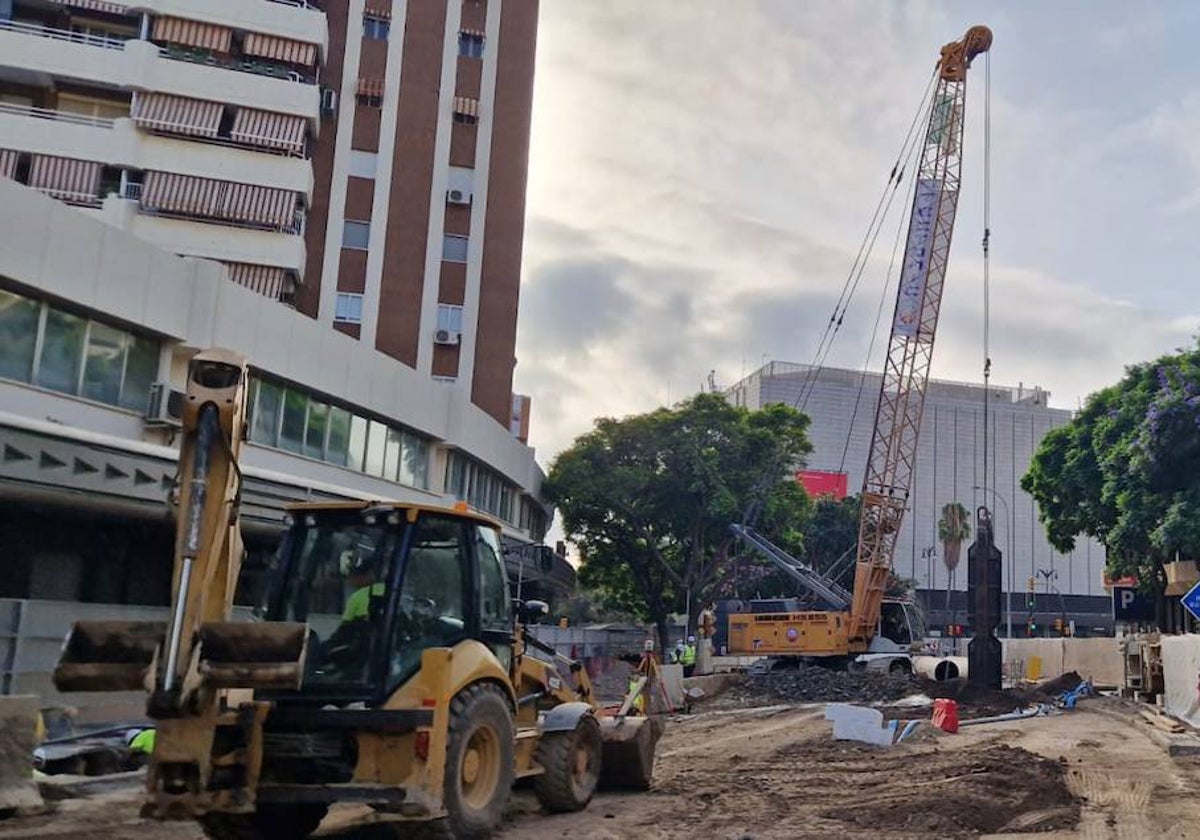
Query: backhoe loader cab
(378,585)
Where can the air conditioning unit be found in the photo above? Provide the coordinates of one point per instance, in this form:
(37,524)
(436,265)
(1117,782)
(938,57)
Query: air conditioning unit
(328,100)
(165,405)
(446,337)
(458,197)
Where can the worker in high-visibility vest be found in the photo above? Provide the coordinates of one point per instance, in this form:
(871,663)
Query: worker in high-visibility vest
(687,658)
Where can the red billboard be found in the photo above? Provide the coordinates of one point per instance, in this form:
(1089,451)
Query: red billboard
(821,483)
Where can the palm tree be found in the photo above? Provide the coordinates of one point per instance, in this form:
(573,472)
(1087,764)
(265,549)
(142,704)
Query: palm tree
(953,528)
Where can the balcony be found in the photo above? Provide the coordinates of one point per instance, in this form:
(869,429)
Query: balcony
(142,65)
(36,29)
(271,69)
(120,143)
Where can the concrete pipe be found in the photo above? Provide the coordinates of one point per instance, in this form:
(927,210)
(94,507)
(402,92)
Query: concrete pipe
(940,668)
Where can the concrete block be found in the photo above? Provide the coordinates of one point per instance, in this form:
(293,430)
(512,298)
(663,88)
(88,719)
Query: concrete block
(18,736)
(858,723)
(1181,672)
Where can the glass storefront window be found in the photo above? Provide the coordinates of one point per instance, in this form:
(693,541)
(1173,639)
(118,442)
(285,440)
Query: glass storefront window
(266,413)
(358,442)
(376,443)
(391,455)
(318,421)
(338,449)
(104,364)
(141,369)
(295,417)
(62,351)
(19,318)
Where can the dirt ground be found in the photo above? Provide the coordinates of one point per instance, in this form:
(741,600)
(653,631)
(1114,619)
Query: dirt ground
(754,774)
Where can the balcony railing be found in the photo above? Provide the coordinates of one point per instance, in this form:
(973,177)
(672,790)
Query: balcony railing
(57,116)
(197,55)
(315,5)
(295,228)
(102,41)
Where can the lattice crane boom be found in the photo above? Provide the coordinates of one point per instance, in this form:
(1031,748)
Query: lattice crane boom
(890,468)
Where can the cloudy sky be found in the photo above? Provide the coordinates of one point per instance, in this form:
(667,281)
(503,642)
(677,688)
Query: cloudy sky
(703,170)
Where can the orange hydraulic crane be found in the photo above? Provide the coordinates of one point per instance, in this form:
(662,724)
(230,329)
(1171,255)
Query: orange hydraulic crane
(833,631)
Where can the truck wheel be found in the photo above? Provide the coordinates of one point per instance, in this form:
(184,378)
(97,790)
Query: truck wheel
(479,762)
(572,767)
(285,822)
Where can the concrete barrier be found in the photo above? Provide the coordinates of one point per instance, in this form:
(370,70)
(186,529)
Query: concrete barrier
(1096,659)
(1181,676)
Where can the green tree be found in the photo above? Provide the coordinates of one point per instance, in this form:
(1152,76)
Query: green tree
(1126,470)
(649,499)
(954,527)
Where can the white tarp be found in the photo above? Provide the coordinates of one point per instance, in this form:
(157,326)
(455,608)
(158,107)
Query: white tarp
(1181,676)
(916,258)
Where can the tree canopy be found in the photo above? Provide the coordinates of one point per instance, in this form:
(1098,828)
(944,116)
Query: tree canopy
(649,499)
(1125,470)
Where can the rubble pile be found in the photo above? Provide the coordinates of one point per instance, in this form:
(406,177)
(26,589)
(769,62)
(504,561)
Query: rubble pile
(814,684)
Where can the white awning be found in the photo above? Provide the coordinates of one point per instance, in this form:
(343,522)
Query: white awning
(176,114)
(8,163)
(65,178)
(266,128)
(171,193)
(260,205)
(280,49)
(267,280)
(466,106)
(193,33)
(99,6)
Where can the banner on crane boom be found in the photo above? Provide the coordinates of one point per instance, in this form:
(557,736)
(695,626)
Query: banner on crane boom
(916,258)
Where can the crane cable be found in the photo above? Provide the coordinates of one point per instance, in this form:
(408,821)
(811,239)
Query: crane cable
(987,241)
(754,507)
(883,299)
(858,266)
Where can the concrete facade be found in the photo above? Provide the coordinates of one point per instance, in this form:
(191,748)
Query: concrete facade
(335,190)
(950,467)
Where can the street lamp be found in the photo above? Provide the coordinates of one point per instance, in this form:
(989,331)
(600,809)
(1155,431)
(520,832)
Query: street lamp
(1012,527)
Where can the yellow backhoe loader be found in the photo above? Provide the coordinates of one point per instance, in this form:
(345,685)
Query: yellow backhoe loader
(386,667)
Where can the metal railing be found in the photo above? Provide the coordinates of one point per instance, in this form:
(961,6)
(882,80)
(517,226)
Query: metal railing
(296,227)
(312,5)
(132,191)
(102,41)
(196,55)
(57,116)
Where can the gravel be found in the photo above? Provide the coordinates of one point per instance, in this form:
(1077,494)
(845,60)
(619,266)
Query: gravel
(814,684)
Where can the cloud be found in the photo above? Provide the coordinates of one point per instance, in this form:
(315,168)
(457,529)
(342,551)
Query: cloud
(702,173)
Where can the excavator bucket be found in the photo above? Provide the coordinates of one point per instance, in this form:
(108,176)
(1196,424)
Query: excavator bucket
(257,654)
(629,744)
(108,655)
(117,655)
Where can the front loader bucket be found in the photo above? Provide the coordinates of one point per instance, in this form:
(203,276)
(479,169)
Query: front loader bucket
(257,654)
(108,655)
(629,744)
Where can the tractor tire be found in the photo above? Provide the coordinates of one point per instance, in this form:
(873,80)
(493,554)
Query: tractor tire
(480,764)
(269,822)
(572,767)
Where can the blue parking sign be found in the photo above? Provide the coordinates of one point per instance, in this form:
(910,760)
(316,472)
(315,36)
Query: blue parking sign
(1191,601)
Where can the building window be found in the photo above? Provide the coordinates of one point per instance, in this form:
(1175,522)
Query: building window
(481,487)
(295,421)
(73,355)
(349,308)
(375,28)
(362,164)
(466,119)
(470,44)
(449,317)
(356,235)
(454,248)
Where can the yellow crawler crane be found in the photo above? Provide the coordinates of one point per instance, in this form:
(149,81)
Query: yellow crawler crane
(387,667)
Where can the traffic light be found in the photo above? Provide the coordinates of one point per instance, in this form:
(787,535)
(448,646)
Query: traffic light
(1032,583)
